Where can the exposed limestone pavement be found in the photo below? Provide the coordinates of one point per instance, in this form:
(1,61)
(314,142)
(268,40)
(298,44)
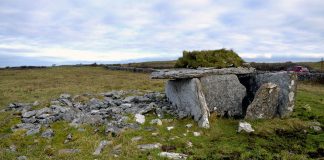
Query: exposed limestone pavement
(112,110)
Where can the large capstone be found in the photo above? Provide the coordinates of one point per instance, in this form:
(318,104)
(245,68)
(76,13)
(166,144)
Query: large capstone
(265,103)
(287,83)
(187,96)
(199,72)
(224,94)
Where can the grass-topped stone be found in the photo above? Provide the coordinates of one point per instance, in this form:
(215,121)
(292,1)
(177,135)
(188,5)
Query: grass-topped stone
(221,58)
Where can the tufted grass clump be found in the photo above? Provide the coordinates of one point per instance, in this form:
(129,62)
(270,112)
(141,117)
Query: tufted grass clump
(221,58)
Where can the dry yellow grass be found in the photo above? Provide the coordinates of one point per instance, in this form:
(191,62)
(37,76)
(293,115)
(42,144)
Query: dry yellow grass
(29,85)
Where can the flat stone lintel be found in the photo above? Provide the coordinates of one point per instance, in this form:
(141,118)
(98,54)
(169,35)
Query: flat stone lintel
(197,73)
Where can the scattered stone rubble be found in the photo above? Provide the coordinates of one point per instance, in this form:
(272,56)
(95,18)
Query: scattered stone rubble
(230,92)
(112,111)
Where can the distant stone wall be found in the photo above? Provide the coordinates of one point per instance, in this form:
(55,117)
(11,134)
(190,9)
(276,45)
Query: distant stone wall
(311,77)
(131,69)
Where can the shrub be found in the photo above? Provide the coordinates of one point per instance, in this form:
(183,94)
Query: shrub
(221,58)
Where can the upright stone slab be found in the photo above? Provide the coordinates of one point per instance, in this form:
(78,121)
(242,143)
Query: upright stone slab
(288,86)
(265,103)
(187,96)
(224,94)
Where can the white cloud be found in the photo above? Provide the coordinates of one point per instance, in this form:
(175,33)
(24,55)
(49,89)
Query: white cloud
(119,30)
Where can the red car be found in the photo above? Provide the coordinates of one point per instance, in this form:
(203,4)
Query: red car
(298,69)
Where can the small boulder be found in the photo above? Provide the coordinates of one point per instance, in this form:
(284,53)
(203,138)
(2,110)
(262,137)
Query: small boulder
(68,151)
(33,130)
(144,147)
(113,129)
(135,139)
(171,155)
(170,128)
(156,121)
(246,127)
(102,144)
(316,128)
(139,118)
(48,133)
(130,99)
(189,125)
(28,114)
(196,134)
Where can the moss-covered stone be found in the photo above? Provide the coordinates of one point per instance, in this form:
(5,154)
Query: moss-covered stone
(221,58)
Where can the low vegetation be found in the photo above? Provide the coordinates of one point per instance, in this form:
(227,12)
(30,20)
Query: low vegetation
(153,64)
(312,66)
(290,138)
(221,58)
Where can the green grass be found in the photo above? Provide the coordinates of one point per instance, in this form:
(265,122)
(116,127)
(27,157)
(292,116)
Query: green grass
(289,138)
(43,84)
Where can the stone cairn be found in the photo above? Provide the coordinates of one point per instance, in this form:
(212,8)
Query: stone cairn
(230,92)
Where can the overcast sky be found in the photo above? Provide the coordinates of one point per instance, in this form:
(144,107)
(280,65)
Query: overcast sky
(40,32)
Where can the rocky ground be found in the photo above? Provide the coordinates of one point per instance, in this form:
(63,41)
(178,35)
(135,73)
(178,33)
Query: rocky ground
(114,110)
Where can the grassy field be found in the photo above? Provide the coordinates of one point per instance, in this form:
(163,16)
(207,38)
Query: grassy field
(29,85)
(273,139)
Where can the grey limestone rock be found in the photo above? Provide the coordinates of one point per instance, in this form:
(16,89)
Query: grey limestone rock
(48,133)
(187,96)
(197,73)
(287,83)
(100,147)
(28,114)
(175,156)
(246,127)
(224,94)
(144,147)
(265,103)
(68,151)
